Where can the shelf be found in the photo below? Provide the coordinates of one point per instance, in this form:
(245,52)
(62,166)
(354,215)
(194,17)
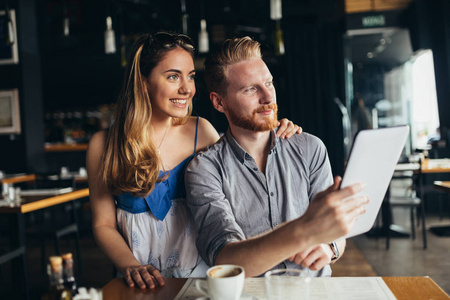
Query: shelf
(65,147)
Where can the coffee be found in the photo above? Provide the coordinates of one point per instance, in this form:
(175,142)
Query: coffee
(221,272)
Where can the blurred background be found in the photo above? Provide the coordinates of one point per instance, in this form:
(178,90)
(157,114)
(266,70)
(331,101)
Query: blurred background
(339,66)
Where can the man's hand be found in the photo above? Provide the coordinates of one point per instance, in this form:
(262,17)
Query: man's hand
(333,212)
(314,258)
(287,129)
(143,276)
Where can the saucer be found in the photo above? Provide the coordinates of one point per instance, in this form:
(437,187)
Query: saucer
(243,297)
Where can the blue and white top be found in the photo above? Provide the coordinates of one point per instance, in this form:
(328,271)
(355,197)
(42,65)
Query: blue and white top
(159,228)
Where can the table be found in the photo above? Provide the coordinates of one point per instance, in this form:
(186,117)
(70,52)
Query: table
(32,203)
(410,288)
(17,210)
(442,185)
(442,230)
(18,178)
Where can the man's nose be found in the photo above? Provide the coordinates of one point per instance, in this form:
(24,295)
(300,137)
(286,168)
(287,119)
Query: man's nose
(267,96)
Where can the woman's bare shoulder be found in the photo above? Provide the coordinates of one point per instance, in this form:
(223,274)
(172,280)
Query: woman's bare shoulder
(207,134)
(99,136)
(97,142)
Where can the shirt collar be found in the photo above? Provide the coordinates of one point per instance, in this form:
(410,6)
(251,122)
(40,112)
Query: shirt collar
(240,153)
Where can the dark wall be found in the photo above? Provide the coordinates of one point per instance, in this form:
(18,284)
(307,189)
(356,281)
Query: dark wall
(314,73)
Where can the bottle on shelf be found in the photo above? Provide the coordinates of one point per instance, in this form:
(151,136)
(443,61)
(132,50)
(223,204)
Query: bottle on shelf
(69,278)
(55,273)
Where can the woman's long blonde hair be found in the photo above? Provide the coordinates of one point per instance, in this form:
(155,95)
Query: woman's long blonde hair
(131,163)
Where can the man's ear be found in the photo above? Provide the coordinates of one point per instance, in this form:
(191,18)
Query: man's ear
(217,101)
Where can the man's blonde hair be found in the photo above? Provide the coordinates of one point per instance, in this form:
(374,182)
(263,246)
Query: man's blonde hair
(232,51)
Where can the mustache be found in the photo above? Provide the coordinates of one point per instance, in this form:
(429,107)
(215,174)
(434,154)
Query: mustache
(272,106)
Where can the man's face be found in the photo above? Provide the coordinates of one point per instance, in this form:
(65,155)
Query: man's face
(251,99)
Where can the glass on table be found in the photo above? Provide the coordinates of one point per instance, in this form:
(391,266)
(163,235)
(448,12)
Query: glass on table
(287,284)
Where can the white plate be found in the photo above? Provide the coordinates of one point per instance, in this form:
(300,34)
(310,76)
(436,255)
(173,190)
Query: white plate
(243,297)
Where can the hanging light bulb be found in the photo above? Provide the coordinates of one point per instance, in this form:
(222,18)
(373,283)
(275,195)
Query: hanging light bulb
(110,39)
(279,42)
(66,21)
(123,51)
(203,40)
(66,26)
(276,14)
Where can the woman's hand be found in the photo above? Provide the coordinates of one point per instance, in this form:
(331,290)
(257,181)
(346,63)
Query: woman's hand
(143,276)
(287,129)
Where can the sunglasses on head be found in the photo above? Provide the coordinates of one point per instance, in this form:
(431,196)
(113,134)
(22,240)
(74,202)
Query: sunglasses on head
(170,40)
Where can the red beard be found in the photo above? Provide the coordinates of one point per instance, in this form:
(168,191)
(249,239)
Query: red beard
(250,121)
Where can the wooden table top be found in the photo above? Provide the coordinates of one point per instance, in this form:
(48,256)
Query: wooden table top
(410,288)
(428,166)
(19,178)
(442,185)
(63,147)
(436,165)
(32,203)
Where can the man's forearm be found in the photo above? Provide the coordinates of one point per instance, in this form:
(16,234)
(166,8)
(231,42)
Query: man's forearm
(261,253)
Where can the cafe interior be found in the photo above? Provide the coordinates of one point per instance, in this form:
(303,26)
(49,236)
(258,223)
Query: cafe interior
(339,67)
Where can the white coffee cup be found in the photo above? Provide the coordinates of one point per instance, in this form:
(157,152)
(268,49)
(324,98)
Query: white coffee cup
(223,282)
(287,284)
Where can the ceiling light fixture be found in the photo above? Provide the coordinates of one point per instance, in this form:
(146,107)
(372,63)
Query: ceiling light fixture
(203,39)
(276,15)
(110,39)
(66,21)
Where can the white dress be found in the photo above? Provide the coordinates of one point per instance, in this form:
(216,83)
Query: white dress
(168,245)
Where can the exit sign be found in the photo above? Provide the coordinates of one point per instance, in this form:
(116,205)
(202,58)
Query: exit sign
(373,21)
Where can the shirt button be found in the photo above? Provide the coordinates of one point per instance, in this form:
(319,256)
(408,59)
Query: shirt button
(275,224)
(255,169)
(271,194)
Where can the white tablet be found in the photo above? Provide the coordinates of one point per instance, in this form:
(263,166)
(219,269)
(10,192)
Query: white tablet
(372,160)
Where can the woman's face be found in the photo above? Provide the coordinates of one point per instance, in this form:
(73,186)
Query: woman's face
(171,84)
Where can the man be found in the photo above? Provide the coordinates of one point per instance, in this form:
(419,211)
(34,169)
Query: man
(250,193)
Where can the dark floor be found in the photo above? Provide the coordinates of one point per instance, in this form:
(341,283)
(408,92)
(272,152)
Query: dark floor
(406,257)
(364,257)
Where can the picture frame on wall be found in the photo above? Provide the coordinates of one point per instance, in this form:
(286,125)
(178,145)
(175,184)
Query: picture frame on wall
(9,112)
(9,54)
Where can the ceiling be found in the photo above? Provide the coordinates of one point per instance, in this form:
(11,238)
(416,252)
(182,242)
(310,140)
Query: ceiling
(388,47)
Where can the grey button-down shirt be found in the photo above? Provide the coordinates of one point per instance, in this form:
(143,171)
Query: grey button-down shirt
(232,200)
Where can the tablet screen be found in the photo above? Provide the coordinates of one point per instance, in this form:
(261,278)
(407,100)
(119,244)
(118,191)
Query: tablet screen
(372,160)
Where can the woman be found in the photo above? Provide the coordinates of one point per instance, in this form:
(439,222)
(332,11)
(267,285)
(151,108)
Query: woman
(136,169)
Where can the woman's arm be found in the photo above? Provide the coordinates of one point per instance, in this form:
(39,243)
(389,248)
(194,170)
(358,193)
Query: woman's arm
(104,224)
